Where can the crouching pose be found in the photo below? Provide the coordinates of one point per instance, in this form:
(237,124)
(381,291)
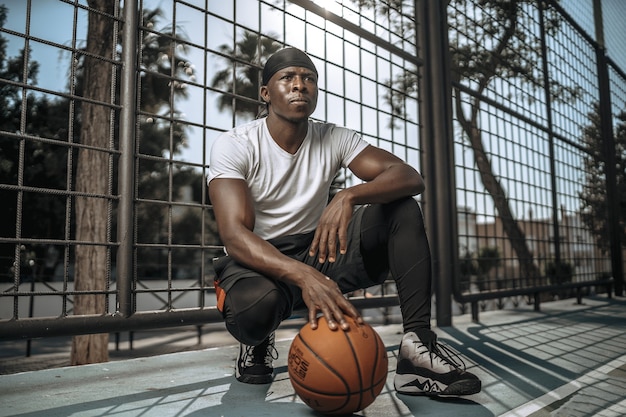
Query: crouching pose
(288,247)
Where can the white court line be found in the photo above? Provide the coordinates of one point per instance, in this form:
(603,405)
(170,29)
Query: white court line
(563,391)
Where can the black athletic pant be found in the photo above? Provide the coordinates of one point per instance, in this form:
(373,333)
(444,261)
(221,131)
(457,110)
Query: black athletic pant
(388,238)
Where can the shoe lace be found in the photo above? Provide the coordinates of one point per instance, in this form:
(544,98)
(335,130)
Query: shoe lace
(444,354)
(264,353)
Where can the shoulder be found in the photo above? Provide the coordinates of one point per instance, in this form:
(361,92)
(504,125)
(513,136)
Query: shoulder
(247,132)
(330,130)
(243,137)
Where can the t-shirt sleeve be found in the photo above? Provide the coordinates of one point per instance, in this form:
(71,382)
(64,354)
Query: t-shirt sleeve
(228,158)
(351,145)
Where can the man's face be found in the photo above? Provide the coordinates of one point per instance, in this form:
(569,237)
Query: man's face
(291,93)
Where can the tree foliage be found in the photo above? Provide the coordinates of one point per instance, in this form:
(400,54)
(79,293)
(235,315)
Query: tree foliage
(480,265)
(241,77)
(93,169)
(44,163)
(488,259)
(162,136)
(594,204)
(559,272)
(491,42)
(500,48)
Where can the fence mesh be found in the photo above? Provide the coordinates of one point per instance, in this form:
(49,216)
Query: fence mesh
(525,114)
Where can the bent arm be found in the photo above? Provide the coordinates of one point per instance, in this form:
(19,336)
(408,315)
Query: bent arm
(387,178)
(234,213)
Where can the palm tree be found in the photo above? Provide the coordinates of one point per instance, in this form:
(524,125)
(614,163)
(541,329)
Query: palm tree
(241,78)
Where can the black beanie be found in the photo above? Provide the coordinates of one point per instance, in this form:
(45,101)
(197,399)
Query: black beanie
(288,57)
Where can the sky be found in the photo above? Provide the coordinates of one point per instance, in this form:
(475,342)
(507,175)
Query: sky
(54,63)
(614,17)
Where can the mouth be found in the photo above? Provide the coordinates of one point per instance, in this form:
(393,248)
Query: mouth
(299,100)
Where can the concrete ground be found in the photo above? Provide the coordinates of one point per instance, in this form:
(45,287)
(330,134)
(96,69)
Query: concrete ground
(567,360)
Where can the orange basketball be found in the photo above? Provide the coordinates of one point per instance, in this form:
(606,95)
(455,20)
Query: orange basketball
(337,371)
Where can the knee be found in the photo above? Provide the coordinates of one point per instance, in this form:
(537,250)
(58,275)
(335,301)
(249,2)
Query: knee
(404,212)
(250,318)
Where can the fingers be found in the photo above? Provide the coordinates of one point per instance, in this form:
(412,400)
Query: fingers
(348,309)
(313,318)
(322,249)
(328,300)
(336,315)
(343,240)
(337,319)
(331,247)
(332,231)
(315,242)
(324,243)
(333,322)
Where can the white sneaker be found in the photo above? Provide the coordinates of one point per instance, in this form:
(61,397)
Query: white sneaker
(427,368)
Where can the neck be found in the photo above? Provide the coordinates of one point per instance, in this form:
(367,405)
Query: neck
(289,135)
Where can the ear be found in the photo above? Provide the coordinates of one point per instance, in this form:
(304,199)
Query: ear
(265,94)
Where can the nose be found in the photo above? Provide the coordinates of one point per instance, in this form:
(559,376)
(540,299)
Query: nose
(298,83)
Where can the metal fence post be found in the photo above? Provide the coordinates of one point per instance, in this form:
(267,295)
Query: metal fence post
(556,227)
(128,95)
(606,124)
(608,142)
(438,160)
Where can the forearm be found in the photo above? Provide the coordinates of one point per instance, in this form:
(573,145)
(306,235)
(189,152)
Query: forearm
(257,254)
(234,213)
(396,182)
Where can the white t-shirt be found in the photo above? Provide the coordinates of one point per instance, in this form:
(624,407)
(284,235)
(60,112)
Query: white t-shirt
(289,191)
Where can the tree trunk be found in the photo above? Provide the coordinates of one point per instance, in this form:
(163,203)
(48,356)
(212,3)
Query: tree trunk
(92,176)
(516,236)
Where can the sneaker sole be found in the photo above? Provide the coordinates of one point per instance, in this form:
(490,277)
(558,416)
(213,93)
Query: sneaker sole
(411,385)
(255,379)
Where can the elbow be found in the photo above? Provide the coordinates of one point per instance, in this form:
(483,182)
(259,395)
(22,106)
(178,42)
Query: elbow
(232,242)
(420,187)
(234,248)
(417,183)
